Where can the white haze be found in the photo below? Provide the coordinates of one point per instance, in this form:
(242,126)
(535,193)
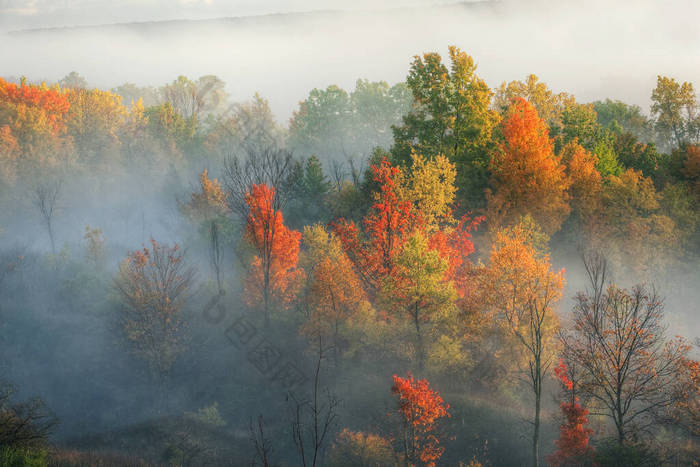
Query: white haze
(592,49)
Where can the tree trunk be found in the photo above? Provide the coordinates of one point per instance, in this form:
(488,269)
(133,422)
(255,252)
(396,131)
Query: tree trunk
(419,340)
(538,400)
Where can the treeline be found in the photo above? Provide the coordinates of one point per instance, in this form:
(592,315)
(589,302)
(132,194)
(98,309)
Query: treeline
(398,229)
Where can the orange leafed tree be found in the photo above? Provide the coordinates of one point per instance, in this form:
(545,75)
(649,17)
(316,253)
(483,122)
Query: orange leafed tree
(420,408)
(333,291)
(33,120)
(586,182)
(572,446)
(208,203)
(273,278)
(527,177)
(522,290)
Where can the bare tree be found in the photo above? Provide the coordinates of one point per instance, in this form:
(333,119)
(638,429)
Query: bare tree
(338,173)
(45,197)
(263,447)
(216,253)
(314,419)
(255,164)
(627,366)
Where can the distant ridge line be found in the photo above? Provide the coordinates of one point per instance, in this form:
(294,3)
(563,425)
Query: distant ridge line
(236,19)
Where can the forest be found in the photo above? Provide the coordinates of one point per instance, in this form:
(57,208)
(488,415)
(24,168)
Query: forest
(434,272)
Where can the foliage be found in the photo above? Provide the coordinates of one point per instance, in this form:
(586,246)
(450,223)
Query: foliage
(418,290)
(609,454)
(675,109)
(450,115)
(94,244)
(336,125)
(527,177)
(333,291)
(627,365)
(33,126)
(420,408)
(24,426)
(273,277)
(573,447)
(22,457)
(153,285)
(356,448)
(549,106)
(207,204)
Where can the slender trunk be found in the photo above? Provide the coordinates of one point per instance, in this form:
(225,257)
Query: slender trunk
(620,416)
(50,228)
(536,435)
(538,401)
(266,293)
(419,339)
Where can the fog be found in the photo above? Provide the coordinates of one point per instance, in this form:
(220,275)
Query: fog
(62,328)
(592,49)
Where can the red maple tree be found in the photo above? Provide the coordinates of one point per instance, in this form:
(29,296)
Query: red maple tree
(572,446)
(386,228)
(273,277)
(420,408)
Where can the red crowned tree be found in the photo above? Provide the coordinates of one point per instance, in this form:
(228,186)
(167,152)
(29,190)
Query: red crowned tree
(420,407)
(572,446)
(273,277)
(387,227)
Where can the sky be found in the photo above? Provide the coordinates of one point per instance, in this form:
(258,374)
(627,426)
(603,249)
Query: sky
(21,14)
(593,49)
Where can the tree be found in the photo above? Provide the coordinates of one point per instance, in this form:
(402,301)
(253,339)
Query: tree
(387,226)
(247,128)
(153,286)
(208,207)
(586,182)
(94,244)
(191,99)
(23,424)
(336,125)
(627,366)
(32,120)
(309,189)
(549,106)
(420,408)
(273,276)
(257,164)
(73,80)
(45,198)
(322,123)
(418,290)
(632,220)
(356,448)
(572,446)
(675,111)
(629,118)
(451,115)
(313,419)
(431,189)
(523,292)
(527,177)
(95,121)
(333,292)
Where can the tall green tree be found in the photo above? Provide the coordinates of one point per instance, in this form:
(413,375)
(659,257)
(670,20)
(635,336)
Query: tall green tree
(451,115)
(676,111)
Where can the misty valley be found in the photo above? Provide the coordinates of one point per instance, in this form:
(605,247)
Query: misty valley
(438,271)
